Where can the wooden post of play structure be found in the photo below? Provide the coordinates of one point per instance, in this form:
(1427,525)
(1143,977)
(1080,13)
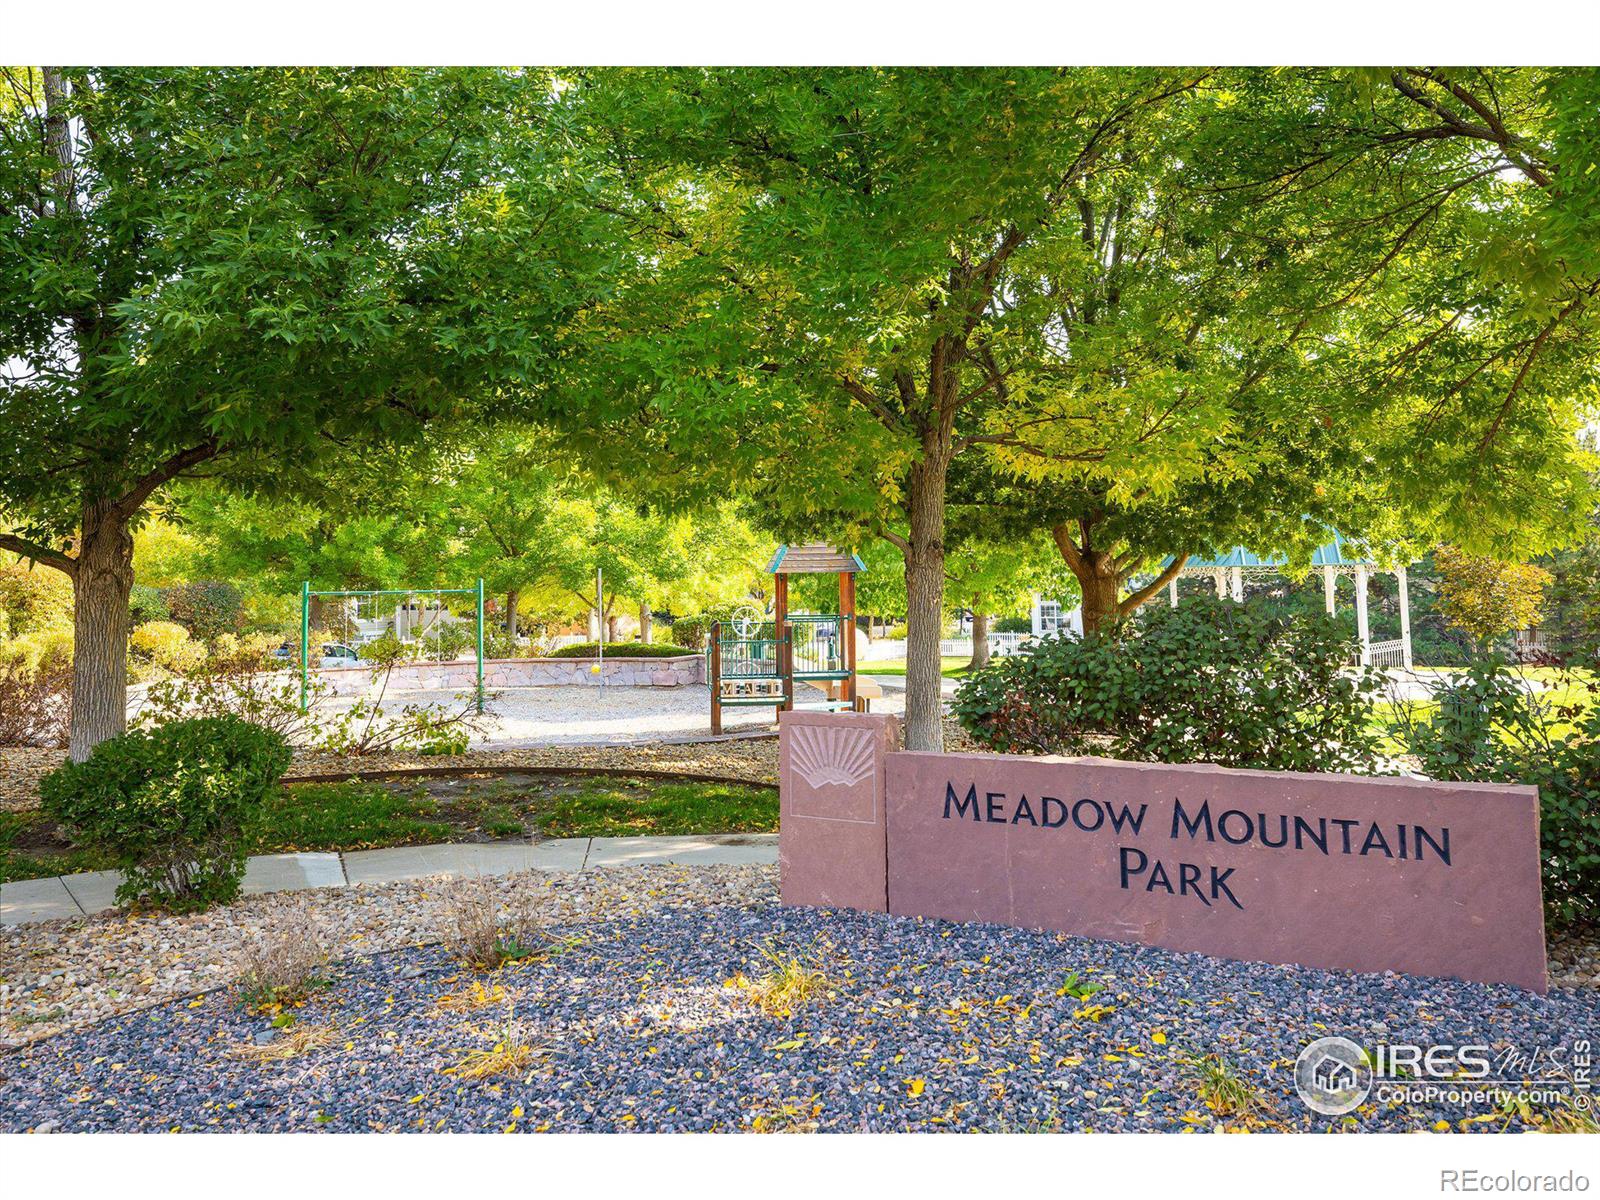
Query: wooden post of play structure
(780,631)
(847,632)
(716,678)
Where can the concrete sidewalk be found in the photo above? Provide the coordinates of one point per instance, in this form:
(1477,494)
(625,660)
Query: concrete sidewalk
(95,891)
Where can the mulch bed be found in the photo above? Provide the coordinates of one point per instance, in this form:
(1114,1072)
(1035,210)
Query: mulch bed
(919,1025)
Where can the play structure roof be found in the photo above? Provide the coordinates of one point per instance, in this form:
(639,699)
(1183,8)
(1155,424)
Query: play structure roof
(814,558)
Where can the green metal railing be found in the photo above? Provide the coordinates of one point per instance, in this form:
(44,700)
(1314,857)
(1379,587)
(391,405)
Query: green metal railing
(818,640)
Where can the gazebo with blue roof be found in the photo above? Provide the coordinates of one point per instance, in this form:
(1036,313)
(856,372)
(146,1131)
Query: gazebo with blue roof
(1338,557)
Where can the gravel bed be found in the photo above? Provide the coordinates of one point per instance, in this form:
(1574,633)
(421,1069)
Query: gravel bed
(925,1025)
(58,975)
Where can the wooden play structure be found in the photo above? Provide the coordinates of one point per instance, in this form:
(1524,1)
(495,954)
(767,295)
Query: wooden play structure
(759,661)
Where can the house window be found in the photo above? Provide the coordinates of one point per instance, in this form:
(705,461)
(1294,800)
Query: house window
(1049,617)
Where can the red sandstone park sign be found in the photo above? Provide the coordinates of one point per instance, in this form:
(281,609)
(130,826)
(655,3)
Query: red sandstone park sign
(1338,871)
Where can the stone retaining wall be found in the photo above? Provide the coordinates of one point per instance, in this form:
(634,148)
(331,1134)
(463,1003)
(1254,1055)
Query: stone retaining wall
(523,672)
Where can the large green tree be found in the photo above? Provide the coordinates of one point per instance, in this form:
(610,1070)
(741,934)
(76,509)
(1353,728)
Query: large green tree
(242,273)
(1184,306)
(822,257)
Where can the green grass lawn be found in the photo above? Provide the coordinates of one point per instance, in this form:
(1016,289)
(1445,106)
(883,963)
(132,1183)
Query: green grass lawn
(354,815)
(950,668)
(607,810)
(1572,692)
(364,814)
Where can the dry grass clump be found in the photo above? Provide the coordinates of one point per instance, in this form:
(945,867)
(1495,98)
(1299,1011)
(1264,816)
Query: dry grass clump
(789,983)
(512,1053)
(485,935)
(786,1116)
(293,1042)
(283,967)
(1227,1093)
(470,998)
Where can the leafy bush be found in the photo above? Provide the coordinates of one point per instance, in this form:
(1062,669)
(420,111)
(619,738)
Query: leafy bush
(43,650)
(1211,681)
(173,807)
(447,641)
(497,643)
(35,703)
(694,630)
(386,650)
(241,678)
(622,650)
(33,599)
(1488,725)
(206,607)
(145,604)
(1011,625)
(160,648)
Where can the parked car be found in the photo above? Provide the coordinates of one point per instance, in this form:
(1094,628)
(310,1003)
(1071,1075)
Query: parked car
(334,654)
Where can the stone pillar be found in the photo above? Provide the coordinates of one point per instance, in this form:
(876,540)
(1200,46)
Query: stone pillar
(1405,615)
(1362,630)
(832,839)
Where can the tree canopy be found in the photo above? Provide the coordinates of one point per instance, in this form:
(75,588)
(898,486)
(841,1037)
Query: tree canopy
(242,273)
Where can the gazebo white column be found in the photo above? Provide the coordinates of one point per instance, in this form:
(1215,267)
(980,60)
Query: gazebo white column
(1237,581)
(1172,591)
(1405,616)
(1361,616)
(1330,588)
(1222,587)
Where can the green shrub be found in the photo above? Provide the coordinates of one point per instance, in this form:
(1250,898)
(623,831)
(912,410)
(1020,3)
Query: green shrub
(173,807)
(145,604)
(1211,681)
(205,607)
(45,650)
(1488,725)
(497,643)
(1011,625)
(449,640)
(622,650)
(162,647)
(33,599)
(694,630)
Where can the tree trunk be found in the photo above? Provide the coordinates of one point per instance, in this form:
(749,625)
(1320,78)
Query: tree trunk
(980,640)
(924,558)
(646,622)
(100,589)
(611,629)
(512,597)
(1101,592)
(1097,574)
